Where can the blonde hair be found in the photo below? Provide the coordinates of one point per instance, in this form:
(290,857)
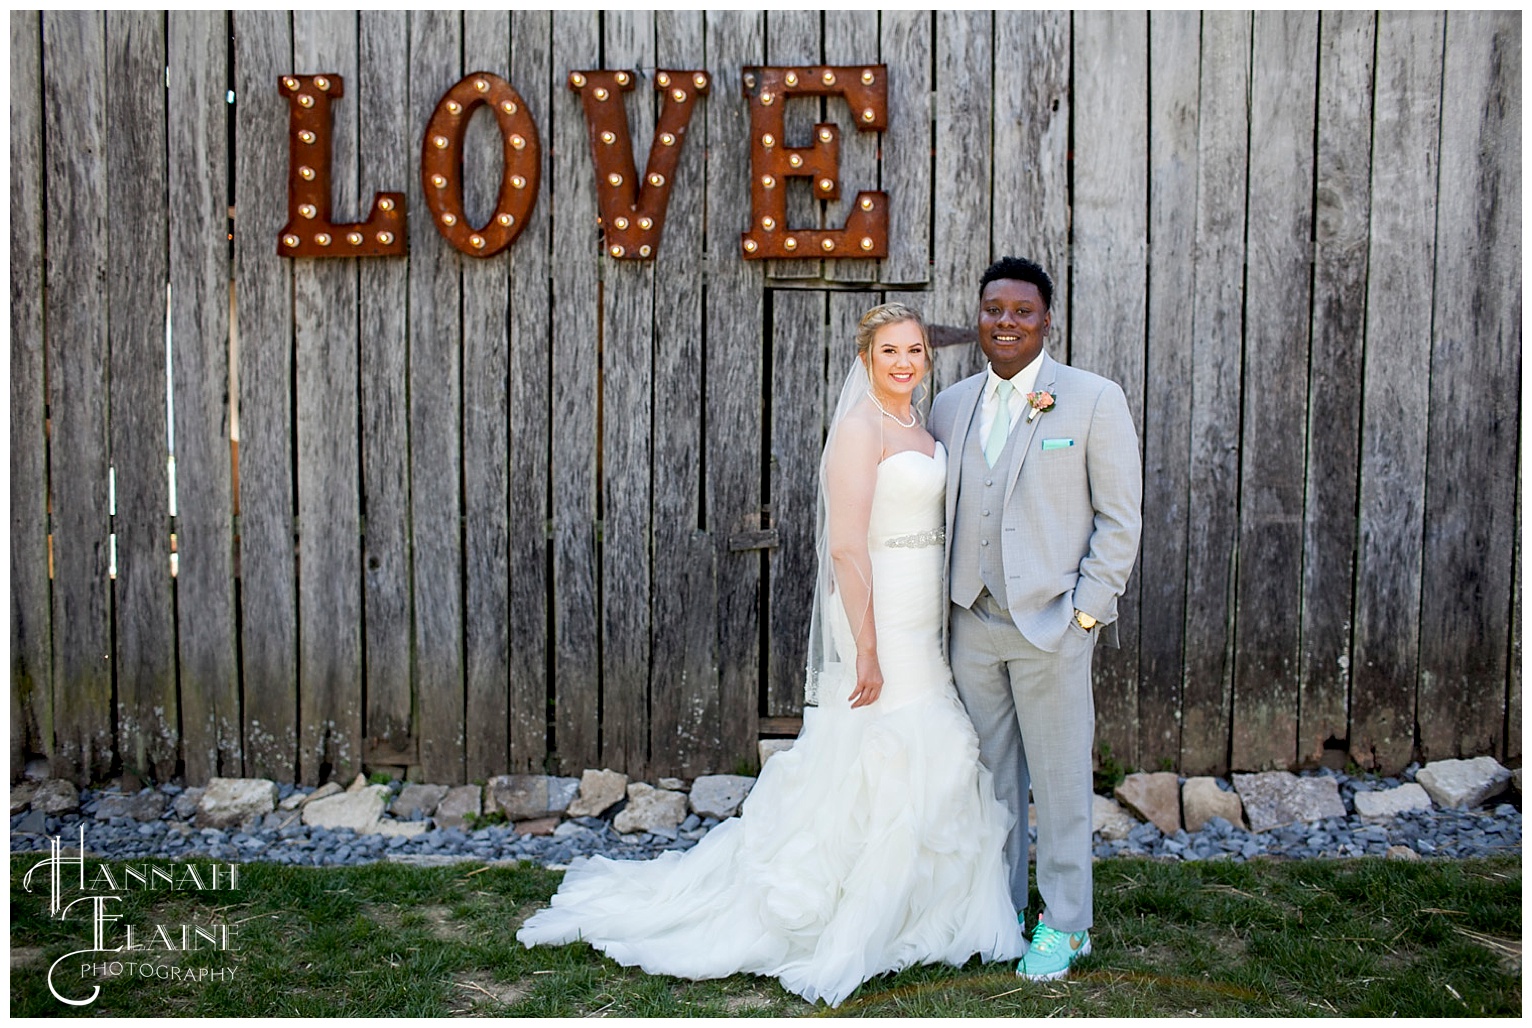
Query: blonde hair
(888,314)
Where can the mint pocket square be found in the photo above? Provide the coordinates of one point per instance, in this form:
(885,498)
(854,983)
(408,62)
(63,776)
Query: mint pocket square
(1057,444)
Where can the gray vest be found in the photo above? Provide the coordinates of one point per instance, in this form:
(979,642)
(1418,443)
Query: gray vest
(976,560)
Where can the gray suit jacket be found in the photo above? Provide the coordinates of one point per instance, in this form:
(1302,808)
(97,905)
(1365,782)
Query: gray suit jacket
(1073,510)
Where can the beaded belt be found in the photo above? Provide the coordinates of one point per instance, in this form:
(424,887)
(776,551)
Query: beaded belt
(930,537)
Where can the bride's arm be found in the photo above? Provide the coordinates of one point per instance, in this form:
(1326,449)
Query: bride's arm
(851,475)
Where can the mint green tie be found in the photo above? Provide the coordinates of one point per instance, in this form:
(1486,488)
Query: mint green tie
(1000,428)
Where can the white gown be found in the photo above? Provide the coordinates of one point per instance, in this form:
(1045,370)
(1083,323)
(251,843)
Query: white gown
(875,843)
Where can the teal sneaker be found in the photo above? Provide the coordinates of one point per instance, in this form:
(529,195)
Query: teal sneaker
(1051,953)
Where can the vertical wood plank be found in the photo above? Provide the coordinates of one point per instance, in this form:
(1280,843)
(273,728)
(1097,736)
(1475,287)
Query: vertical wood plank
(1401,258)
(528,399)
(486,297)
(1217,306)
(1174,58)
(31,630)
(1275,402)
(1032,112)
(964,107)
(797,434)
(137,251)
(845,313)
(732,393)
(1513,676)
(74,113)
(684,716)
(436,353)
(627,362)
(1471,461)
(905,46)
(387,161)
(794,37)
(329,502)
(1342,205)
(1111,182)
(263,303)
(570,192)
(197,52)
(850,37)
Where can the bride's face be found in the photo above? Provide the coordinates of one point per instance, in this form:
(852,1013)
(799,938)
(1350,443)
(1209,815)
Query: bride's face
(897,359)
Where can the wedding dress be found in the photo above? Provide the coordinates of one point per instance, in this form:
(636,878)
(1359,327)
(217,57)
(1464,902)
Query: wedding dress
(874,844)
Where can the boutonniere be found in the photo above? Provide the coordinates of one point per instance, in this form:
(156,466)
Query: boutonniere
(1042,402)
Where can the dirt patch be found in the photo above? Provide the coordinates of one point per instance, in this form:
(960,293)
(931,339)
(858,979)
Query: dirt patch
(749,1001)
(439,918)
(478,995)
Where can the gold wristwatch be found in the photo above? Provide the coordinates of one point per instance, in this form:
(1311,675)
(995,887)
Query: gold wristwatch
(1084,620)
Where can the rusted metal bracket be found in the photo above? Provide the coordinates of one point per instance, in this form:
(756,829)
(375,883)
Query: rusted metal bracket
(773,161)
(309,232)
(632,211)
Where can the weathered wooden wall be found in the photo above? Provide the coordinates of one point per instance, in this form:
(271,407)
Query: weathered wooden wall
(550,510)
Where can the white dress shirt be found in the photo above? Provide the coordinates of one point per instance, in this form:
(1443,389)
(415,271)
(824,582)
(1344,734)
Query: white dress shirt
(1024,381)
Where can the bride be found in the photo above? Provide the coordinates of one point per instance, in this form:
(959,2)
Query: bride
(876,842)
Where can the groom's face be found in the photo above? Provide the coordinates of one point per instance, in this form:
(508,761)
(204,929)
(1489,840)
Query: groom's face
(1012,321)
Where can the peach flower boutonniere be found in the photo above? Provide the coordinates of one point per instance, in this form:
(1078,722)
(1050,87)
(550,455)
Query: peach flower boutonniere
(1041,402)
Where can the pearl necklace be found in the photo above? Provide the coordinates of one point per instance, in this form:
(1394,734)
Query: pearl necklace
(886,414)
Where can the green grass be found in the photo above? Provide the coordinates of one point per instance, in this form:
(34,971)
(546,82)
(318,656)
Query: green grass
(1358,937)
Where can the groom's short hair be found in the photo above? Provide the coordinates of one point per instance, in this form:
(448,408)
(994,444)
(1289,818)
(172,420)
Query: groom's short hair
(1023,270)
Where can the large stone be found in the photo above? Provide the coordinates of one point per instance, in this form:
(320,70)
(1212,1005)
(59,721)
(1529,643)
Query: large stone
(358,783)
(1463,783)
(21,795)
(142,806)
(719,795)
(649,808)
(1202,800)
(324,792)
(599,792)
(408,829)
(359,811)
(457,805)
(231,801)
(185,804)
(417,801)
(518,797)
(538,826)
(1276,798)
(1387,803)
(1153,796)
(673,784)
(561,793)
(56,796)
(768,748)
(1109,820)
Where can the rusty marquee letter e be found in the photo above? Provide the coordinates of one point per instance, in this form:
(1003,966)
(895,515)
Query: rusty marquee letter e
(309,231)
(633,211)
(772,162)
(441,164)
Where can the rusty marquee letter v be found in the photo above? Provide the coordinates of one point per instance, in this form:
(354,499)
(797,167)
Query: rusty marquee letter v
(309,232)
(633,211)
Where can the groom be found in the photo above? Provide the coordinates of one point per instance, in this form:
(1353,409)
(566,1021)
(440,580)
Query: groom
(1043,515)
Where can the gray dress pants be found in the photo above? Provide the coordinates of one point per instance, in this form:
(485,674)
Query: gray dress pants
(1036,720)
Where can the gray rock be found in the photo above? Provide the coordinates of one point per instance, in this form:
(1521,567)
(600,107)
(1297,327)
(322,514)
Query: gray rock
(453,810)
(1463,783)
(1202,800)
(35,823)
(416,801)
(648,808)
(292,801)
(673,784)
(358,783)
(1389,803)
(1109,820)
(768,748)
(1401,853)
(230,801)
(599,791)
(561,793)
(518,797)
(185,805)
(56,796)
(1153,796)
(1276,798)
(143,806)
(719,795)
(21,795)
(359,811)
(406,829)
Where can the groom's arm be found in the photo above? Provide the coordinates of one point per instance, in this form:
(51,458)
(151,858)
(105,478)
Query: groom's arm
(1117,492)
